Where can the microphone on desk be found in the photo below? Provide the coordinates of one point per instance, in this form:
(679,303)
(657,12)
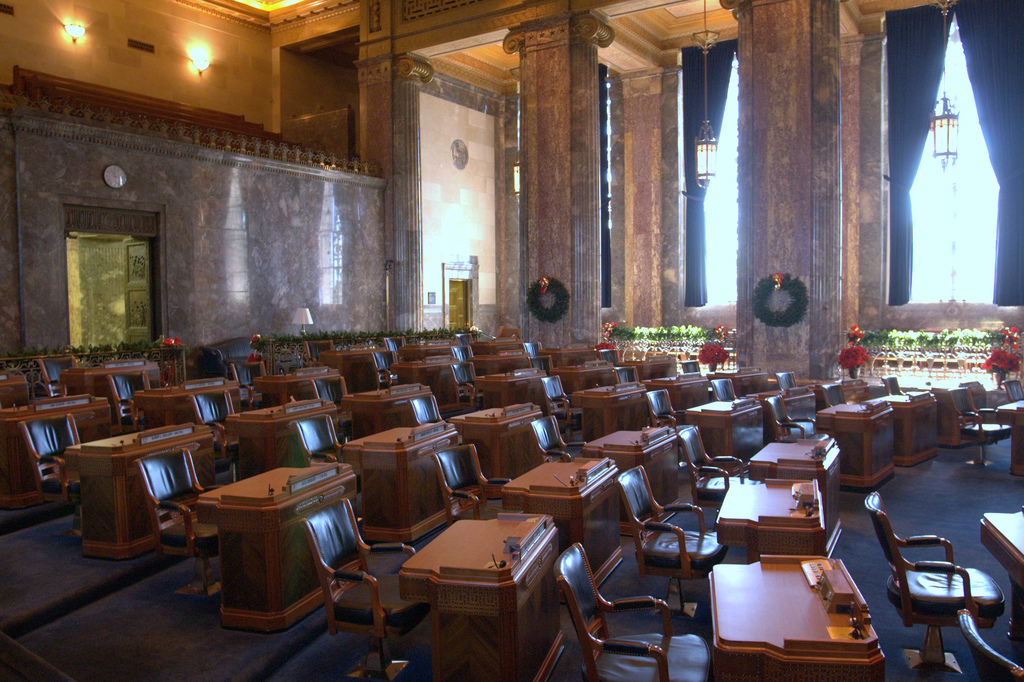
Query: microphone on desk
(498,564)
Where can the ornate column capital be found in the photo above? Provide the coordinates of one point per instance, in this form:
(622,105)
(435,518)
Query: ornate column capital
(587,28)
(514,41)
(738,7)
(410,67)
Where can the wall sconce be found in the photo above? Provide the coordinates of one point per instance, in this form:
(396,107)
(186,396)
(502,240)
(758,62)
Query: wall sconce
(516,177)
(200,61)
(302,317)
(76,31)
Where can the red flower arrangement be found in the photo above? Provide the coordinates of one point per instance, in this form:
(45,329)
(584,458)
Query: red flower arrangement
(1001,360)
(854,335)
(172,342)
(712,354)
(606,329)
(721,331)
(1011,336)
(853,356)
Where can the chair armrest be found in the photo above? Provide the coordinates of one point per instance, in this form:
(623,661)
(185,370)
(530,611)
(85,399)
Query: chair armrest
(714,472)
(793,425)
(323,457)
(463,495)
(497,481)
(174,506)
(634,604)
(688,507)
(350,576)
(612,646)
(928,541)
(389,548)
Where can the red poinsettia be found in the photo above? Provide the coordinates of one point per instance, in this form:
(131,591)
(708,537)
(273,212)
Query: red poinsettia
(712,354)
(854,335)
(606,329)
(1000,359)
(1010,337)
(172,342)
(721,331)
(853,356)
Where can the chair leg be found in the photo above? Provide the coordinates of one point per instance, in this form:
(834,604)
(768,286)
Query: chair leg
(932,654)
(202,578)
(980,459)
(687,609)
(378,664)
(76,521)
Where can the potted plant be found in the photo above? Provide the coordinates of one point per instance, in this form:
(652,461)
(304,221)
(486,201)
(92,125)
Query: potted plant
(712,354)
(852,358)
(1000,362)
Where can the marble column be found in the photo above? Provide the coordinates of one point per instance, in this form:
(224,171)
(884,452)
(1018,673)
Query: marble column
(559,203)
(789,189)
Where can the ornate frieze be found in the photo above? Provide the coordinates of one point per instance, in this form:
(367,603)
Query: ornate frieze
(418,9)
(109,221)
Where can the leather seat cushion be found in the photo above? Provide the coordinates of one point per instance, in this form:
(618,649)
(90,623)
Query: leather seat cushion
(661,550)
(52,487)
(353,605)
(936,594)
(206,537)
(688,660)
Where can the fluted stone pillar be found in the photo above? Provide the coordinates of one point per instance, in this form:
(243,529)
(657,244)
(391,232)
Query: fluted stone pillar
(789,177)
(559,204)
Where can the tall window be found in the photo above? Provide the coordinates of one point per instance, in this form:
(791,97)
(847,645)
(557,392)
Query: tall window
(721,204)
(955,210)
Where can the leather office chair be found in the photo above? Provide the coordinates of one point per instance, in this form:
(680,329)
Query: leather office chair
(50,369)
(690,367)
(318,439)
(972,425)
(122,388)
(213,409)
(458,470)
(382,363)
(657,656)
(625,375)
(332,389)
(356,600)
(927,592)
(46,440)
(723,390)
(979,401)
(541,362)
(531,348)
(462,353)
(659,409)
(709,476)
(424,410)
(393,343)
(786,430)
(558,405)
(662,547)
(245,374)
(1014,392)
(990,664)
(786,380)
(465,384)
(609,355)
(549,440)
(170,482)
(314,348)
(833,394)
(464,339)
(892,386)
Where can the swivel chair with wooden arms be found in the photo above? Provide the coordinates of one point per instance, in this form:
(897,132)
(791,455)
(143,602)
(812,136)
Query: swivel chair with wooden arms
(317,438)
(625,375)
(609,355)
(393,343)
(1014,392)
(315,348)
(424,410)
(169,481)
(382,363)
(833,394)
(122,389)
(213,409)
(464,339)
(659,409)
(541,362)
(662,546)
(462,353)
(332,389)
(990,664)
(786,380)
(357,601)
(462,482)
(972,425)
(46,440)
(892,386)
(549,440)
(690,367)
(465,384)
(710,477)
(784,429)
(929,592)
(50,369)
(723,390)
(245,374)
(657,656)
(531,348)
(979,402)
(557,405)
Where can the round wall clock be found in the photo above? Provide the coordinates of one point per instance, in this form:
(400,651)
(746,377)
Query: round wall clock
(460,154)
(114,176)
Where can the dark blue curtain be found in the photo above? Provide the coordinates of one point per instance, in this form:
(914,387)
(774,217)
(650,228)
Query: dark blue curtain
(606,213)
(992,32)
(915,49)
(719,68)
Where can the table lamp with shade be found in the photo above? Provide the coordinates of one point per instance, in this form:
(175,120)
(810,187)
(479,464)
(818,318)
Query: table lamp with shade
(302,317)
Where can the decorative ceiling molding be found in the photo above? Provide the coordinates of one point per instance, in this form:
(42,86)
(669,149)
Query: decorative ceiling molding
(476,72)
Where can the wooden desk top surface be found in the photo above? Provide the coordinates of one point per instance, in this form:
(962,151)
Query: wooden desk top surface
(304,374)
(632,440)
(630,388)
(396,392)
(767,504)
(190,387)
(690,378)
(552,478)
(255,490)
(498,414)
(795,453)
(737,405)
(859,411)
(1007,529)
(48,406)
(915,398)
(133,441)
(1012,407)
(288,411)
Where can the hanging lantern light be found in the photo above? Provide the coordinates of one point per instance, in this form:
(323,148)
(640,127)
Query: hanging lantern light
(945,121)
(706,142)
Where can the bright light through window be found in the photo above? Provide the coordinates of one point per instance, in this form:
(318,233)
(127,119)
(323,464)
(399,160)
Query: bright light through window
(721,205)
(955,210)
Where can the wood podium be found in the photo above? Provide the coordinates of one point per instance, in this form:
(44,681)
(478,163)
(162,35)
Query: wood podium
(173,405)
(590,374)
(267,578)
(684,390)
(266,440)
(490,621)
(915,430)
(762,519)
(770,624)
(115,508)
(506,361)
(733,429)
(356,365)
(93,380)
(402,497)
(653,367)
(279,389)
(17,478)
(388,408)
(745,380)
(569,356)
(864,434)
(1003,536)
(1013,414)
(607,409)
(582,498)
(504,440)
(512,388)
(435,372)
(13,390)
(655,449)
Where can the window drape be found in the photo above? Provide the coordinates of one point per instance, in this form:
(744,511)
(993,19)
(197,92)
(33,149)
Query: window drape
(719,69)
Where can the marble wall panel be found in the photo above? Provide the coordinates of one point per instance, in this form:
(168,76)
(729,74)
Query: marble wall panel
(10,313)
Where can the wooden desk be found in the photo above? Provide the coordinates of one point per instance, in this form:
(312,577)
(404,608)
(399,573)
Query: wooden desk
(356,365)
(93,380)
(434,372)
(173,405)
(607,409)
(279,389)
(745,380)
(115,509)
(795,461)
(388,408)
(762,519)
(769,624)
(401,494)
(13,390)
(653,367)
(1003,535)
(864,434)
(267,579)
(730,428)
(17,476)
(489,623)
(1013,414)
(570,356)
(587,513)
(506,361)
(684,390)
(430,349)
(915,429)
(499,345)
(655,449)
(590,374)
(512,388)
(266,440)
(503,438)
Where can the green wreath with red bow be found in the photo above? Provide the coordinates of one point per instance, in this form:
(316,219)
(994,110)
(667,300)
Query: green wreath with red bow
(769,287)
(548,299)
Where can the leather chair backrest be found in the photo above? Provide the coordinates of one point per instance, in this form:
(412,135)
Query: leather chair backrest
(625,375)
(392,344)
(1013,390)
(723,389)
(546,430)
(457,467)
(690,366)
(787,380)
(777,408)
(608,355)
(531,348)
(634,490)
(328,389)
(125,385)
(463,372)
(167,474)
(464,339)
(693,449)
(213,407)
(553,387)
(424,410)
(51,436)
(991,665)
(961,400)
(336,537)
(574,568)
(381,361)
(54,366)
(315,433)
(659,403)
(541,362)
(880,520)
(314,348)
(834,394)
(243,373)
(892,385)
(462,353)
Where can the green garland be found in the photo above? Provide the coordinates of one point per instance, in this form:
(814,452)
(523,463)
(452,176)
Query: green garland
(793,313)
(558,308)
